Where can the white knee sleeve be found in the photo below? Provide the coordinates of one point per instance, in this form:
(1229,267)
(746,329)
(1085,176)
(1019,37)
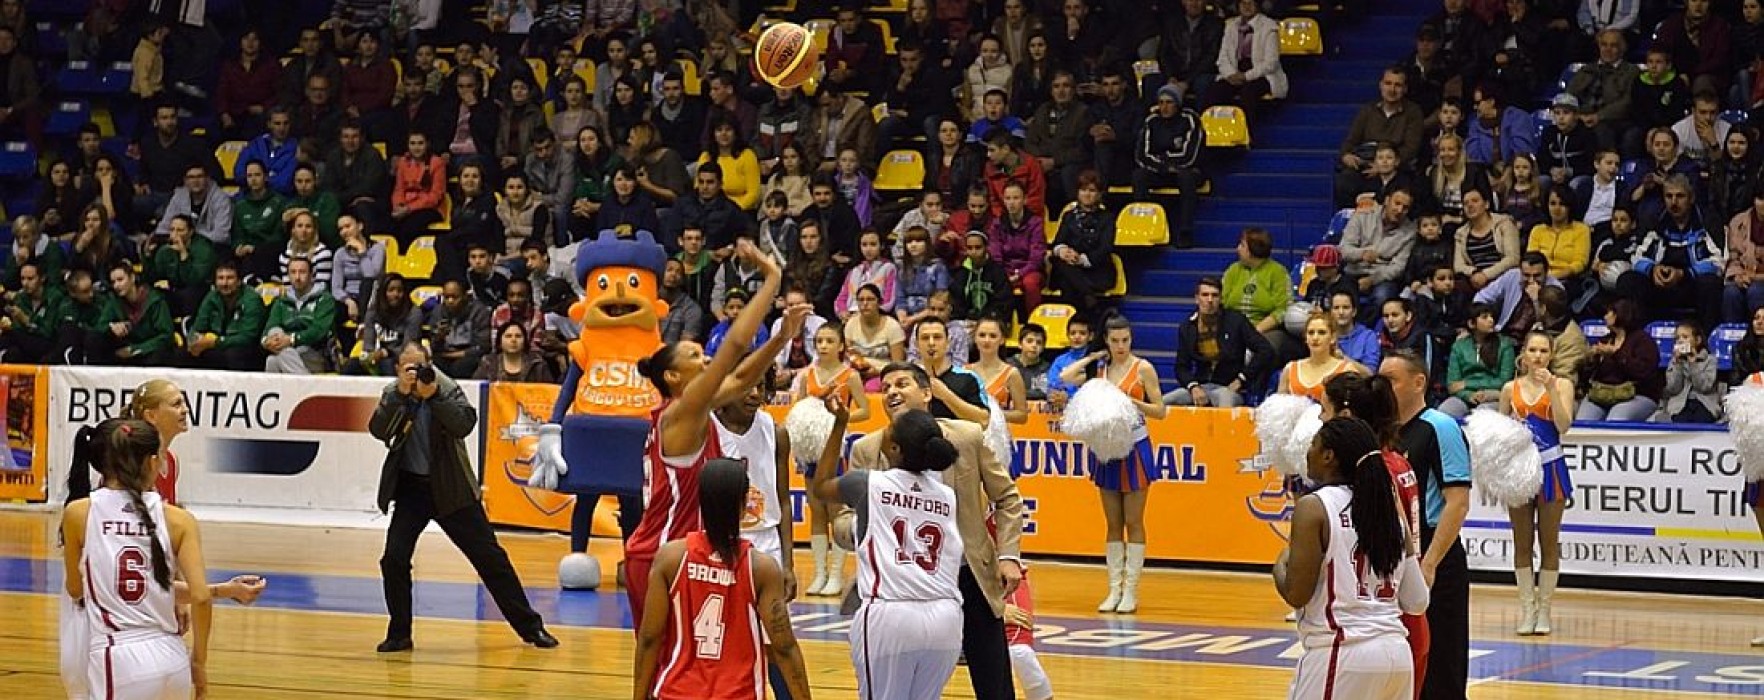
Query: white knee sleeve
(1030,675)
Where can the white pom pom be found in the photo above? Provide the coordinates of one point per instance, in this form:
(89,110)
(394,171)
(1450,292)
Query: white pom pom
(1504,461)
(1292,457)
(998,435)
(578,572)
(808,424)
(1745,422)
(1101,416)
(1277,423)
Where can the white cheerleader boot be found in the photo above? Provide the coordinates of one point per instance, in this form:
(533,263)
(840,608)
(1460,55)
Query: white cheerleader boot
(817,552)
(1545,589)
(1527,602)
(1130,586)
(835,584)
(1117,559)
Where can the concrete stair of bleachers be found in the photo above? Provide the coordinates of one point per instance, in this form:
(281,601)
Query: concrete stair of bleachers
(1282,182)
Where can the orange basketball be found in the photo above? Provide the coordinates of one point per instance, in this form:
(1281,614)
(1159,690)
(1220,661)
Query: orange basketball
(786,55)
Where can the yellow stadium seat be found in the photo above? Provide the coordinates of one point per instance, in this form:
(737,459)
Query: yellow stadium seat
(393,259)
(398,68)
(442,64)
(822,30)
(422,295)
(879,112)
(356,351)
(901,170)
(1120,288)
(585,71)
(1299,36)
(1225,126)
(380,146)
(228,155)
(446,222)
(1144,68)
(418,263)
(541,74)
(231,190)
(1053,318)
(689,77)
(269,291)
(1142,224)
(887,35)
(1307,273)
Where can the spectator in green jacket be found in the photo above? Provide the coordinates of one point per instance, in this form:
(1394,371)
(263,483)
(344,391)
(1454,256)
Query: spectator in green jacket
(258,234)
(1260,289)
(182,266)
(1481,363)
(29,244)
(27,332)
(228,326)
(297,335)
(320,203)
(135,325)
(79,317)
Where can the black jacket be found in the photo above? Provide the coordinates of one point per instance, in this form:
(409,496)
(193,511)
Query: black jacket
(994,284)
(1236,335)
(1573,150)
(451,419)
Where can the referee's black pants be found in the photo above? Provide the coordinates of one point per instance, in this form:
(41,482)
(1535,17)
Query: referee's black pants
(1448,619)
(983,643)
(469,528)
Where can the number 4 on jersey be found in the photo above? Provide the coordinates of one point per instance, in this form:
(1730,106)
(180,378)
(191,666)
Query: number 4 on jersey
(707,628)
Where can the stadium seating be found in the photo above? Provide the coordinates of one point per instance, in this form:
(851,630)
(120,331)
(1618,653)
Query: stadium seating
(1300,36)
(1721,343)
(901,170)
(228,155)
(418,262)
(1226,126)
(424,295)
(1142,224)
(1053,318)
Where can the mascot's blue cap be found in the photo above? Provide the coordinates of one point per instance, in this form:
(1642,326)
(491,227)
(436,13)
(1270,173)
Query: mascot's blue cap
(608,250)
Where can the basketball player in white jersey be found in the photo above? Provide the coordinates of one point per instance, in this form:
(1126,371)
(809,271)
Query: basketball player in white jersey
(1350,574)
(76,631)
(749,435)
(123,543)
(907,634)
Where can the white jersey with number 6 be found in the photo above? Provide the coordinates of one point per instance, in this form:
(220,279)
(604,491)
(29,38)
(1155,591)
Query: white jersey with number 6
(911,548)
(123,602)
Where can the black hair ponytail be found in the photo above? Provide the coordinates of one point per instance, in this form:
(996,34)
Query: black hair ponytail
(722,496)
(656,365)
(923,448)
(85,459)
(1377,523)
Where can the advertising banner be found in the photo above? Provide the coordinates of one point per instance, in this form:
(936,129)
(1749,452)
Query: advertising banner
(24,408)
(1656,504)
(259,440)
(512,435)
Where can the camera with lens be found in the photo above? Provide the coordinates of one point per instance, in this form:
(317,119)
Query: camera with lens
(425,373)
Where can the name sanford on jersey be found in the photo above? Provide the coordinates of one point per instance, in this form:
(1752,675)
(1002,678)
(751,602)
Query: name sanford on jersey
(912,502)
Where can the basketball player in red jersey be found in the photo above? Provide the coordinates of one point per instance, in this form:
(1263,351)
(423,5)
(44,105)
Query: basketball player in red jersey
(161,403)
(682,439)
(1371,399)
(708,599)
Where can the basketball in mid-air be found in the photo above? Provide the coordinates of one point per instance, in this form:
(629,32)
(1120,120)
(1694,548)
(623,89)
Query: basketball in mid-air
(786,55)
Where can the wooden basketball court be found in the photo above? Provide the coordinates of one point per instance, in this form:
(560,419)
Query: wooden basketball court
(1198,635)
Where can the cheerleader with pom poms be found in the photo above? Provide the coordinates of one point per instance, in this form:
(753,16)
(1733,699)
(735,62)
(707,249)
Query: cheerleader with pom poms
(1109,417)
(1544,402)
(1745,422)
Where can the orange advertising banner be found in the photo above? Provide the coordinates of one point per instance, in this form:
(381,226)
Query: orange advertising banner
(24,408)
(515,413)
(1211,501)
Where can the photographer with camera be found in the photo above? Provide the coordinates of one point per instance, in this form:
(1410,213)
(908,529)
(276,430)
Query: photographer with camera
(423,418)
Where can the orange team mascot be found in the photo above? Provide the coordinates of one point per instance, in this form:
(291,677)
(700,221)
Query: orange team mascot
(599,428)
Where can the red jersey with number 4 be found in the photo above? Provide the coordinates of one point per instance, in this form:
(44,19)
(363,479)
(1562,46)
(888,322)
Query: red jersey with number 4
(670,492)
(714,647)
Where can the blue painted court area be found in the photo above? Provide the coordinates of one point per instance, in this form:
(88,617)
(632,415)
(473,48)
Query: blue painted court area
(1627,663)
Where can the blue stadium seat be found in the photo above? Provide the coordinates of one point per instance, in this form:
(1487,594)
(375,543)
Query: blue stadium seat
(1721,342)
(1736,117)
(1567,75)
(1664,333)
(68,117)
(1594,330)
(17,160)
(1337,225)
(1540,120)
(1629,170)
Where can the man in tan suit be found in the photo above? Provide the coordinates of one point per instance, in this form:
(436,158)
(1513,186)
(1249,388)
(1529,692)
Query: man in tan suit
(994,566)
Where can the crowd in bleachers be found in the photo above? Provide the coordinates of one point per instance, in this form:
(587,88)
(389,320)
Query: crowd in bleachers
(1579,167)
(210,186)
